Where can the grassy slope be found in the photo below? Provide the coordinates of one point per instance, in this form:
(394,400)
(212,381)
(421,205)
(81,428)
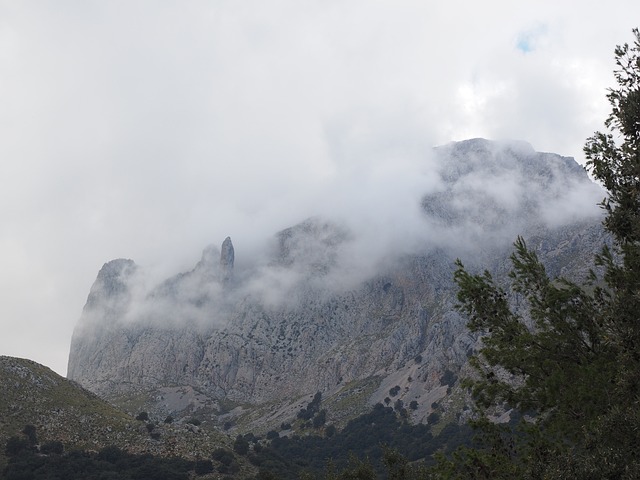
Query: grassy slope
(62,410)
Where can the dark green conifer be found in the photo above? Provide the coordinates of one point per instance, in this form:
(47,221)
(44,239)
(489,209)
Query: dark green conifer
(571,359)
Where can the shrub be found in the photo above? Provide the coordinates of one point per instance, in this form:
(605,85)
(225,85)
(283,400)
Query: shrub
(433,418)
(223,456)
(320,419)
(16,445)
(30,432)
(143,417)
(202,467)
(111,454)
(241,446)
(52,447)
(448,378)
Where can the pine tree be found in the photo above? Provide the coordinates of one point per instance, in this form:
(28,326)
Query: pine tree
(571,362)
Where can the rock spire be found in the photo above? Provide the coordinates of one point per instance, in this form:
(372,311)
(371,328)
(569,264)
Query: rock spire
(227,256)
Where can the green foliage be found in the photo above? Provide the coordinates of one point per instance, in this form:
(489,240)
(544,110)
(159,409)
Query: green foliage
(320,419)
(312,408)
(30,432)
(16,445)
(448,378)
(357,469)
(108,463)
(559,367)
(142,417)
(202,467)
(396,467)
(363,438)
(241,445)
(223,456)
(570,358)
(52,447)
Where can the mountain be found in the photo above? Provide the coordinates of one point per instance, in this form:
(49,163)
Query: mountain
(325,311)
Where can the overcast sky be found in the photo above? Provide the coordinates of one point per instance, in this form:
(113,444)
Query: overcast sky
(149,129)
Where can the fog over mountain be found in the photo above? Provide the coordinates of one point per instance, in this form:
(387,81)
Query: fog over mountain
(476,198)
(148,130)
(334,300)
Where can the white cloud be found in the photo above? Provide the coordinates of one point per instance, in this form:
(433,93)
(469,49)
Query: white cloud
(148,129)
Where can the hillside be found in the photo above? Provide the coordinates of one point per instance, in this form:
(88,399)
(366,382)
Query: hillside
(64,411)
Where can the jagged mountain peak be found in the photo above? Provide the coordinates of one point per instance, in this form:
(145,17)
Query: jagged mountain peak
(293,326)
(112,279)
(458,159)
(492,191)
(311,245)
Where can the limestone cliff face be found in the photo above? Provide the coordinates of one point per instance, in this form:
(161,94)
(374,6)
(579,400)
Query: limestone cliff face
(294,326)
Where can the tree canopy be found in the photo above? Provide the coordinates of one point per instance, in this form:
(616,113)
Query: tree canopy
(569,361)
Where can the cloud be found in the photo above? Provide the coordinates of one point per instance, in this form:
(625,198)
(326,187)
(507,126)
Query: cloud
(147,130)
(467,199)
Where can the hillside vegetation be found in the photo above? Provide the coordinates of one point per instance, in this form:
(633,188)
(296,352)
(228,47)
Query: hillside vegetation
(61,410)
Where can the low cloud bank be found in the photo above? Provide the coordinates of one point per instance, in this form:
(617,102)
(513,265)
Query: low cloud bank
(462,198)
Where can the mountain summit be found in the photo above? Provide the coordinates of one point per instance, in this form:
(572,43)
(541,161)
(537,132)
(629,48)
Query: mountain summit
(316,316)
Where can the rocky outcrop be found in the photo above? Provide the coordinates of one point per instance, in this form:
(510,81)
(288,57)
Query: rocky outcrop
(111,288)
(295,325)
(227,257)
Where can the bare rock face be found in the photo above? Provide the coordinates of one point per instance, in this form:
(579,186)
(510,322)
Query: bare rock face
(227,256)
(112,286)
(294,326)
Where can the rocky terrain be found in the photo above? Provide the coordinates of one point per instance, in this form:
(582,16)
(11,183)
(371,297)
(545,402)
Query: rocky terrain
(63,411)
(247,349)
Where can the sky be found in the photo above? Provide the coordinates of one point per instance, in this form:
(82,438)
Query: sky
(150,129)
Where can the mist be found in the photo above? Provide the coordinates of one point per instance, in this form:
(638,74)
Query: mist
(149,130)
(464,200)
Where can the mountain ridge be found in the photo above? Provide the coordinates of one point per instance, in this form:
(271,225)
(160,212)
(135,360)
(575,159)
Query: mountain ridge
(269,339)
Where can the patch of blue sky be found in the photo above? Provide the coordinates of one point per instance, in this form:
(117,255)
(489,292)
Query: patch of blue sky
(528,40)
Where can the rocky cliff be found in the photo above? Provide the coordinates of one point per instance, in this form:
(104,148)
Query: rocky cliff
(309,318)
